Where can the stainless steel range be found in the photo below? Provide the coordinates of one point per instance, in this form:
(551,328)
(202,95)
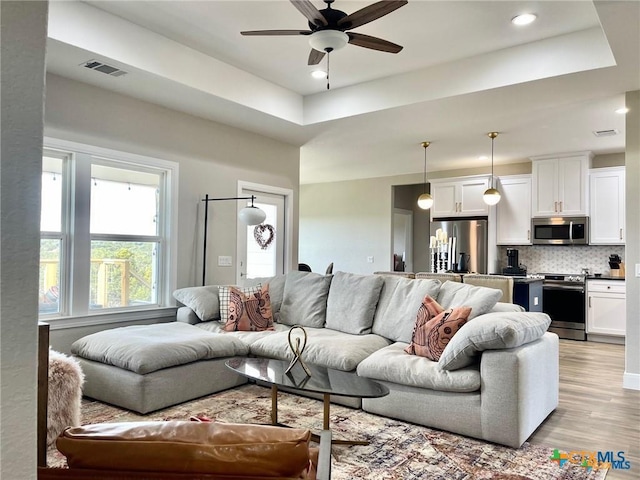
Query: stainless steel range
(563,299)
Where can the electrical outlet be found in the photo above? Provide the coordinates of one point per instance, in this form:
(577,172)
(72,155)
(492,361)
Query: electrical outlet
(225,261)
(370,259)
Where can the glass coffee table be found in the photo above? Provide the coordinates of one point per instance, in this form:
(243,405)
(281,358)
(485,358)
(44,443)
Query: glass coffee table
(323,380)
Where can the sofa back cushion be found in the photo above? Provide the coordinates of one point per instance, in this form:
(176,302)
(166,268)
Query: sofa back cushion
(352,302)
(188,447)
(493,331)
(400,300)
(204,301)
(304,301)
(480,299)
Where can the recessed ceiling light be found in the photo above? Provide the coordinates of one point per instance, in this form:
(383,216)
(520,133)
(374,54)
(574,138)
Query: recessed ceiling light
(622,110)
(319,74)
(524,19)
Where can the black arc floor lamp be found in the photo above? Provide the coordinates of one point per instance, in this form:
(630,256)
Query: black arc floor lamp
(249,215)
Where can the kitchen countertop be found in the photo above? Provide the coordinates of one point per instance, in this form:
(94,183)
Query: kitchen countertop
(604,277)
(517,279)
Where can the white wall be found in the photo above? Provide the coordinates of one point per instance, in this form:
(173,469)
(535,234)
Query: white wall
(23,40)
(632,174)
(212,158)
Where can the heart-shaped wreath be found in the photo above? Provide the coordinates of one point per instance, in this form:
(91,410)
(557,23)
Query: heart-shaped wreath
(261,239)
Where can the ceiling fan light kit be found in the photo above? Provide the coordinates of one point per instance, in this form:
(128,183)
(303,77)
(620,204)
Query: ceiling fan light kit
(328,40)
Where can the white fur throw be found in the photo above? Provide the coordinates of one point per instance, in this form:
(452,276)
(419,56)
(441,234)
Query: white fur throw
(65,393)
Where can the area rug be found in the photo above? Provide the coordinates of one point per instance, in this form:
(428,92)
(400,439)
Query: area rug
(398,450)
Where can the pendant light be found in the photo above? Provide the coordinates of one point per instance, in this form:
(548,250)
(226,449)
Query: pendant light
(491,196)
(425,200)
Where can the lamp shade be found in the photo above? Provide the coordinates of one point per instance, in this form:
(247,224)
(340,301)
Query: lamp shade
(252,215)
(425,201)
(491,196)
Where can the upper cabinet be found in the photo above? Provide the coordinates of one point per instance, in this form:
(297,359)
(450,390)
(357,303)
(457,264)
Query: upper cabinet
(514,211)
(559,185)
(459,197)
(607,206)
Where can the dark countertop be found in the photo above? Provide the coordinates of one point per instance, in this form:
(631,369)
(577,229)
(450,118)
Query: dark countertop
(604,277)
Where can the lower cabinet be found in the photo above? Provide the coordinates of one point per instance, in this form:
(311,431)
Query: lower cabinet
(606,307)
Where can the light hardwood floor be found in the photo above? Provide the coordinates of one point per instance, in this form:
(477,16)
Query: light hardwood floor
(595,412)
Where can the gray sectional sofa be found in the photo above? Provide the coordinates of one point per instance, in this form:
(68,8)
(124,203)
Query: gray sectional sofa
(497,379)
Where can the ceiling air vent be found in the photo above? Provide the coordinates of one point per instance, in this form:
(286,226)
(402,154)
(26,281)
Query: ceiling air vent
(605,133)
(104,68)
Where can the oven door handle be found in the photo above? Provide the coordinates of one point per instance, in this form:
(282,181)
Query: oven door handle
(575,288)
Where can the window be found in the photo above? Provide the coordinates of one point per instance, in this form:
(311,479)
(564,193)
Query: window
(106,223)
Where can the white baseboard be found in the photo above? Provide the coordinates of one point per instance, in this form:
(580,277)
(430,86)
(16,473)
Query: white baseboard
(631,381)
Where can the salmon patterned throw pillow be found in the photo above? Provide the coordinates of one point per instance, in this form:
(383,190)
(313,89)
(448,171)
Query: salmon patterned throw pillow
(434,328)
(249,312)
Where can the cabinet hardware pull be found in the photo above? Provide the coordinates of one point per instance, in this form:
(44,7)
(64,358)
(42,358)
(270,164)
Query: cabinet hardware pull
(560,206)
(589,302)
(555,207)
(620,234)
(528,234)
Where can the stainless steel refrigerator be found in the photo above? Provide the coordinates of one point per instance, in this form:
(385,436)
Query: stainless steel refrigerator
(466,238)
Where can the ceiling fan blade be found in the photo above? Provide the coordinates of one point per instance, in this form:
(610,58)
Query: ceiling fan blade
(276,32)
(311,12)
(370,13)
(373,43)
(315,57)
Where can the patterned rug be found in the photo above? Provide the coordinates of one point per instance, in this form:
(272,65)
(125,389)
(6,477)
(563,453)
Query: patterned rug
(398,450)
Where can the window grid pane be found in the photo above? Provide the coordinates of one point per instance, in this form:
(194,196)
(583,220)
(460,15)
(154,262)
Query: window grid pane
(123,274)
(49,284)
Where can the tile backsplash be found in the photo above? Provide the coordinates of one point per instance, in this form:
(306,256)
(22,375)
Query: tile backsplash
(563,259)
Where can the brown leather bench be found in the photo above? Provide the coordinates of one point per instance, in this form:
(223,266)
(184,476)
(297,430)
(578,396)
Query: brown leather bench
(194,450)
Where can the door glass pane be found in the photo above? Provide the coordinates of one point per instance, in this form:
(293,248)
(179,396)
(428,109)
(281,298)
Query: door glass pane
(122,274)
(51,206)
(124,201)
(261,244)
(49,286)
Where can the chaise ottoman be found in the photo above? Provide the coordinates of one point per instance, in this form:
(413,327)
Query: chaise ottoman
(148,367)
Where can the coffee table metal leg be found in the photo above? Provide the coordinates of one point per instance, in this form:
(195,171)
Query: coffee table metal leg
(274,405)
(325,425)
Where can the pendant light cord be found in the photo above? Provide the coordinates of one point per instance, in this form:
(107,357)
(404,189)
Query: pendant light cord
(424,182)
(492,139)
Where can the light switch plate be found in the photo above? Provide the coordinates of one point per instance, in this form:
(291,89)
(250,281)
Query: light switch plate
(225,261)
(535,300)
(637,269)
(370,259)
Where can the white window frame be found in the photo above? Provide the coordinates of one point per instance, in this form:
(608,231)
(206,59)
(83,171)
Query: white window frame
(76,312)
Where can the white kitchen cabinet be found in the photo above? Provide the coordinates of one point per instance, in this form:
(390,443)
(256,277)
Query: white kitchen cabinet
(459,197)
(514,211)
(607,197)
(606,307)
(559,185)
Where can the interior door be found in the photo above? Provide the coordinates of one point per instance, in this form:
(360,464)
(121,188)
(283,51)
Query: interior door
(261,248)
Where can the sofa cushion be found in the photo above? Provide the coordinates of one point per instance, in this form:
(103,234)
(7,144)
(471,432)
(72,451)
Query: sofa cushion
(399,301)
(147,348)
(304,301)
(188,447)
(392,364)
(352,302)
(434,328)
(480,299)
(325,347)
(492,331)
(203,301)
(249,312)
(246,338)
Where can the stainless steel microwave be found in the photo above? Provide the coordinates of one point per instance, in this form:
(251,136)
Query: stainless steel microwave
(560,231)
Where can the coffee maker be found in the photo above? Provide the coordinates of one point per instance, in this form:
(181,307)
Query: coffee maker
(513,266)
